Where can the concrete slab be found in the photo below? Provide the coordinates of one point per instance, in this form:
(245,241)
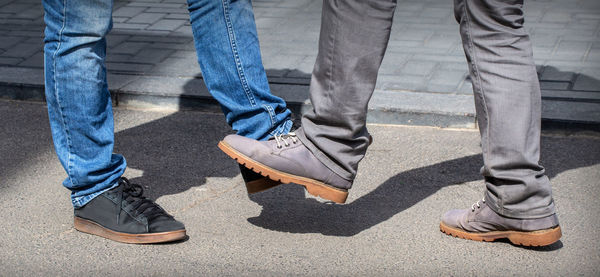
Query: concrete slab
(389,227)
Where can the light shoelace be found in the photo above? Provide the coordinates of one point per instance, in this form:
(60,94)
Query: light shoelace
(477,204)
(284,137)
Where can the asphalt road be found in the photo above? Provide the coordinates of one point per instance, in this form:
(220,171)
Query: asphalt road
(389,227)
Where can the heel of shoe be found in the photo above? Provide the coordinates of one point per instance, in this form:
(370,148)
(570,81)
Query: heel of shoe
(261,185)
(326,192)
(536,238)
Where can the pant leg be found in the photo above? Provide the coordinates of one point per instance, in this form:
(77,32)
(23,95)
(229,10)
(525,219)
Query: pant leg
(79,105)
(229,56)
(508,106)
(353,40)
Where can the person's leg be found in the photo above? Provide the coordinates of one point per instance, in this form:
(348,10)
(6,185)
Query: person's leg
(79,104)
(80,113)
(508,105)
(354,37)
(333,138)
(228,52)
(229,56)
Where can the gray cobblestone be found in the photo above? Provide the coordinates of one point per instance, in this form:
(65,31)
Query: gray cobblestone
(555,85)
(167,25)
(444,80)
(554,16)
(115,39)
(119,19)
(588,80)
(185,54)
(9,61)
(178,16)
(16,7)
(37,61)
(128,11)
(132,26)
(177,67)
(8,41)
(418,67)
(184,30)
(151,55)
(188,46)
(24,50)
(424,53)
(146,18)
(167,10)
(128,67)
(129,47)
(571,49)
(118,58)
(27,33)
(34,12)
(553,74)
(466,87)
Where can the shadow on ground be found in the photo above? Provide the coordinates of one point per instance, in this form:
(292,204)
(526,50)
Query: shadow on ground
(286,209)
(178,152)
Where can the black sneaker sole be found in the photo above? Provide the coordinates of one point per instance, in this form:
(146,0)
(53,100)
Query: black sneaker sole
(90,227)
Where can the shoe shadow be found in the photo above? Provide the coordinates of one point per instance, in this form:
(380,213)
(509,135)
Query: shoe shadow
(286,209)
(176,152)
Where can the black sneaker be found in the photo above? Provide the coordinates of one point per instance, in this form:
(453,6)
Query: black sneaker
(122,214)
(256,182)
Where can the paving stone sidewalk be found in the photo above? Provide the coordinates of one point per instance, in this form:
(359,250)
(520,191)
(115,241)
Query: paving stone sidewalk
(423,79)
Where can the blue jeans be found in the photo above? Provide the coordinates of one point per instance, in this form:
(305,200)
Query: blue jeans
(79,104)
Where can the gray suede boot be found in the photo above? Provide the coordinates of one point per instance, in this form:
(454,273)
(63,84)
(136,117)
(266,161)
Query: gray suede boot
(481,223)
(285,159)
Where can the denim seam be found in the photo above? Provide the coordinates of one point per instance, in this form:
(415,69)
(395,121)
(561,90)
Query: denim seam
(271,113)
(57,95)
(481,90)
(236,55)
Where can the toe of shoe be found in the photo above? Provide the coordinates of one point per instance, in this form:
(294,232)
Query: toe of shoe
(247,146)
(166,225)
(452,218)
(239,143)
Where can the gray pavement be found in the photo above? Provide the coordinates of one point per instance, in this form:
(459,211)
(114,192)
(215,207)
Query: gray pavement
(389,227)
(423,79)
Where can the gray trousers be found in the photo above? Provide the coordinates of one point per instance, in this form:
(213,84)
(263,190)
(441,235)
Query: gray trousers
(353,40)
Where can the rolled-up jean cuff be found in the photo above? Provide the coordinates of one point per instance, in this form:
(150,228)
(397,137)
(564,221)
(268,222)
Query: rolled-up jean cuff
(322,157)
(80,201)
(283,128)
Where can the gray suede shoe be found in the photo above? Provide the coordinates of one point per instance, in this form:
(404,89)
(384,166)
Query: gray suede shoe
(481,223)
(285,159)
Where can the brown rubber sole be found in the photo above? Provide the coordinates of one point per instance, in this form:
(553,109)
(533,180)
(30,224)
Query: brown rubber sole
(534,238)
(90,227)
(261,185)
(313,187)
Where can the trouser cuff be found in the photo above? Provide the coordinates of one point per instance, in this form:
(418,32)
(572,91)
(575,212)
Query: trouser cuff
(322,157)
